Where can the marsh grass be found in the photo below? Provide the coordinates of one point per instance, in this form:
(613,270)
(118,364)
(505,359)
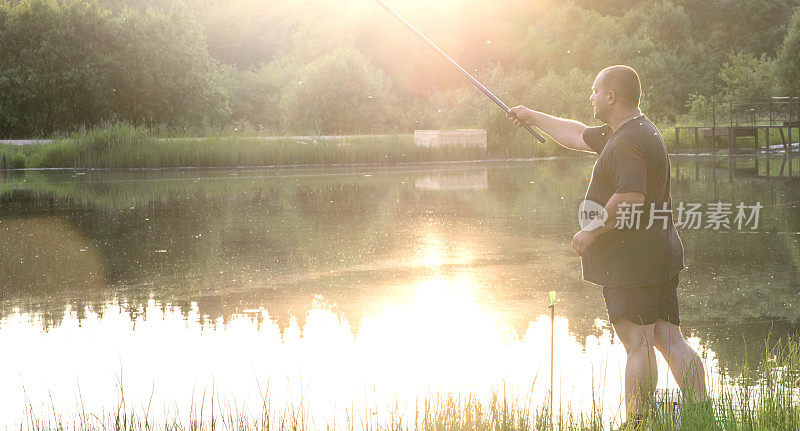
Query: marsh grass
(124,146)
(13,157)
(764,398)
(121,145)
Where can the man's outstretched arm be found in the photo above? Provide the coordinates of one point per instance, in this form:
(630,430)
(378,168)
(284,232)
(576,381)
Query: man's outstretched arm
(567,133)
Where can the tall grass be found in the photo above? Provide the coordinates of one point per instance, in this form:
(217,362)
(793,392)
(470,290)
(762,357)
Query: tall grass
(12,158)
(766,398)
(121,145)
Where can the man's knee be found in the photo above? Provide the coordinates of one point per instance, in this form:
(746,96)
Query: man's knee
(668,337)
(635,338)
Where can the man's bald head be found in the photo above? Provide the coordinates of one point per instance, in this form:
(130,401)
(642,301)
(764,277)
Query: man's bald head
(624,81)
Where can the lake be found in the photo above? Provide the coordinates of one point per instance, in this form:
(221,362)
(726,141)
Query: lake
(355,291)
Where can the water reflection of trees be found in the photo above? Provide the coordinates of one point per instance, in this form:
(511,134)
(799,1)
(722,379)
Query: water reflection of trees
(349,238)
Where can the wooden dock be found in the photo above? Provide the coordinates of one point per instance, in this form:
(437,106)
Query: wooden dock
(756,139)
(735,134)
(744,122)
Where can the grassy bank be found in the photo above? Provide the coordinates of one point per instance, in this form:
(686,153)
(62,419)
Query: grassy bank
(125,146)
(762,399)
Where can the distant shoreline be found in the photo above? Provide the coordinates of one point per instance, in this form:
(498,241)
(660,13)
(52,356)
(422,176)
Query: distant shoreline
(201,139)
(123,146)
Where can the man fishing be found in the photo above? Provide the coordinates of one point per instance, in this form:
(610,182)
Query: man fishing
(635,254)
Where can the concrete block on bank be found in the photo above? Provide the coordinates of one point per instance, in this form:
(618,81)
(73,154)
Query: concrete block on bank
(463,138)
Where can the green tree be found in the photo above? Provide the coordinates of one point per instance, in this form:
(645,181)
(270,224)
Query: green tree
(255,93)
(52,65)
(565,94)
(746,77)
(788,60)
(71,63)
(552,44)
(756,26)
(340,92)
(162,73)
(246,33)
(700,108)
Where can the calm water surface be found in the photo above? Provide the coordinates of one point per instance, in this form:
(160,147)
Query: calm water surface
(353,291)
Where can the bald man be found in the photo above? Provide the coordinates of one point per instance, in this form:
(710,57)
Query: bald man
(637,266)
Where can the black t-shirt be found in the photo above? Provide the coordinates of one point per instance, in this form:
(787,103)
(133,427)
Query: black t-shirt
(632,159)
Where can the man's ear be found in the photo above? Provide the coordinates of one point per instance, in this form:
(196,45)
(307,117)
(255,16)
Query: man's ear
(612,97)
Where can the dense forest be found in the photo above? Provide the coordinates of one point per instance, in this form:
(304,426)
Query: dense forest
(346,66)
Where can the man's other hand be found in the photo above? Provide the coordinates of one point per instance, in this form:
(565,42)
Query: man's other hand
(519,114)
(582,240)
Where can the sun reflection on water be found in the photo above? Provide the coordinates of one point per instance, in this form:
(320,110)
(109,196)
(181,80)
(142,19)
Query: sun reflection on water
(443,337)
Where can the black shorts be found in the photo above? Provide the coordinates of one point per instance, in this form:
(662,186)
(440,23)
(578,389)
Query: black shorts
(644,305)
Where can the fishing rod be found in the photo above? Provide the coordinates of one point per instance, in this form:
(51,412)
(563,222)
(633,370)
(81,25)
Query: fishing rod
(552,308)
(461,70)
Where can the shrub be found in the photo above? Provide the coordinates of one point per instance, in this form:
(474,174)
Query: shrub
(340,92)
(788,59)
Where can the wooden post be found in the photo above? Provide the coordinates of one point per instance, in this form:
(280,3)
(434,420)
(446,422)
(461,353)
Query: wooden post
(732,167)
(677,138)
(783,165)
(783,140)
(766,142)
(789,154)
(714,114)
(785,151)
(713,124)
(714,171)
(771,113)
(552,350)
(731,142)
(714,137)
(756,141)
(791,119)
(697,139)
(696,168)
(552,359)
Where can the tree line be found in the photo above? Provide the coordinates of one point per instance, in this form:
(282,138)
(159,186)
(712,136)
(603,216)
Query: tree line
(315,66)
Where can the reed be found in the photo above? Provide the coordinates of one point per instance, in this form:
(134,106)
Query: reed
(754,399)
(121,145)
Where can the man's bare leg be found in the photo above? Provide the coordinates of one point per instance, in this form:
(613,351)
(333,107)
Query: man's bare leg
(641,371)
(684,363)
